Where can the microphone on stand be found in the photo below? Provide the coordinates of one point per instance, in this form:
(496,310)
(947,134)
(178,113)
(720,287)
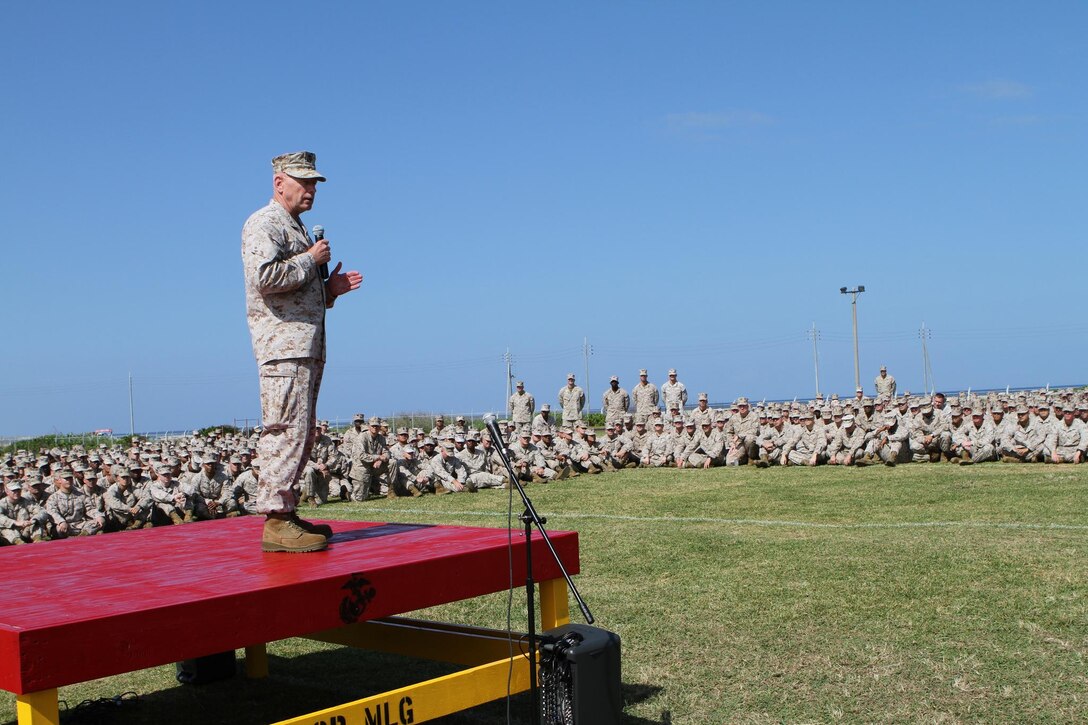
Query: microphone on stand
(491,423)
(319,234)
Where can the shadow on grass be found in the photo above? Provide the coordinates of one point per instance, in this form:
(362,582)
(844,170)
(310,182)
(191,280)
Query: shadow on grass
(296,686)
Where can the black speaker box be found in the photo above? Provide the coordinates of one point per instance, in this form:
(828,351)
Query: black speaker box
(580,676)
(212,668)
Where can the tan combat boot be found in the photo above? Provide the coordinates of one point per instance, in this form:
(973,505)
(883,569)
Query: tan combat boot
(282,533)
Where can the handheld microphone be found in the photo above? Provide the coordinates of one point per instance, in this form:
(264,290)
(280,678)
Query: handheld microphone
(319,234)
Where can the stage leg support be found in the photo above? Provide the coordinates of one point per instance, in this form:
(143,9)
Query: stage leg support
(37,708)
(554,605)
(256,662)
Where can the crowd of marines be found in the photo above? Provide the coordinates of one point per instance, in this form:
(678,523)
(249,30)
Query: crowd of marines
(59,493)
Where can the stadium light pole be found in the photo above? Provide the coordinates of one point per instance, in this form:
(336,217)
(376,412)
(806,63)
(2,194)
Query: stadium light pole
(854,309)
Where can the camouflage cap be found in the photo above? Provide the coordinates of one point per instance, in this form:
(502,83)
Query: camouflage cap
(703,396)
(298,164)
(521,384)
(15,485)
(1022,409)
(374,420)
(570,376)
(672,371)
(428,441)
(546,408)
(742,401)
(402,431)
(848,419)
(642,372)
(614,379)
(358,416)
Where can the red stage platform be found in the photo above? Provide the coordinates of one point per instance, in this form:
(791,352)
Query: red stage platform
(90,607)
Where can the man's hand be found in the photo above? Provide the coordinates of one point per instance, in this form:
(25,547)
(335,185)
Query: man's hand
(320,252)
(342,283)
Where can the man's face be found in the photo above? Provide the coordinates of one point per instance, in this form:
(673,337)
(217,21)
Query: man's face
(743,410)
(642,379)
(208,468)
(1069,415)
(977,420)
(702,405)
(295,195)
(63,484)
(672,377)
(12,493)
(1044,413)
(1023,418)
(615,384)
(883,373)
(570,382)
(521,389)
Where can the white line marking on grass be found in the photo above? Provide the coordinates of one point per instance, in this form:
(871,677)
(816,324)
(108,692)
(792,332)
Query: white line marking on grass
(762,522)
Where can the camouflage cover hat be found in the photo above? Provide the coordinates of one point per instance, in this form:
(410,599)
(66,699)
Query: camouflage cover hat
(570,376)
(703,396)
(374,420)
(521,384)
(546,408)
(672,371)
(742,401)
(848,419)
(15,485)
(358,416)
(402,431)
(642,372)
(614,379)
(298,164)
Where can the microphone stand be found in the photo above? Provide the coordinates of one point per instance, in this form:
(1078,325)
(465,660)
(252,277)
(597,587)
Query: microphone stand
(530,517)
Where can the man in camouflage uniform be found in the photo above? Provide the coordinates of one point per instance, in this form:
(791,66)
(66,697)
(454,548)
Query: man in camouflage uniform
(448,473)
(889,442)
(742,433)
(884,384)
(1027,441)
(674,393)
(702,410)
(645,397)
(124,510)
(705,449)
(571,401)
(20,520)
(73,514)
(615,402)
(974,442)
(528,463)
(807,446)
(847,447)
(772,441)
(1067,438)
(929,436)
(476,464)
(542,422)
(370,463)
(658,447)
(522,406)
(286,299)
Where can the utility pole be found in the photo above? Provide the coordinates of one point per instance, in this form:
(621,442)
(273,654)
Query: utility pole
(854,309)
(927,370)
(509,376)
(587,350)
(131,417)
(814,333)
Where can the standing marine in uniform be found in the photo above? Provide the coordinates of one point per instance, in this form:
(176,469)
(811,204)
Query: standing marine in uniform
(571,401)
(674,393)
(615,402)
(885,384)
(286,299)
(645,397)
(522,407)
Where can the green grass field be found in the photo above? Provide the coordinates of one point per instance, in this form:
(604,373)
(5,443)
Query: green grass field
(924,593)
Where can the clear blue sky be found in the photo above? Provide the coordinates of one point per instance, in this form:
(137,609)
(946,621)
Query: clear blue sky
(686,184)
